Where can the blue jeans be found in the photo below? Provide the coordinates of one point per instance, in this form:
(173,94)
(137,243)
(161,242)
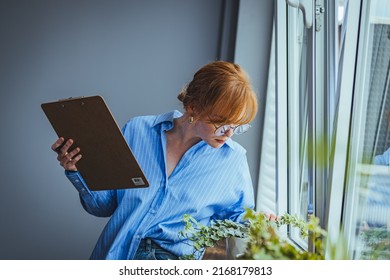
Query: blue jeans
(149,250)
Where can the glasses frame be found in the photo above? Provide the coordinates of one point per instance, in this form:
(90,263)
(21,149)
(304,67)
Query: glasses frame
(223,129)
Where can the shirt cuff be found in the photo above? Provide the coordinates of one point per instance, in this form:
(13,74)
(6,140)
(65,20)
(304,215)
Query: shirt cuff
(77,180)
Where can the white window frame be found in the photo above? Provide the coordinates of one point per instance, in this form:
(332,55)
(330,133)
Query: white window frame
(336,182)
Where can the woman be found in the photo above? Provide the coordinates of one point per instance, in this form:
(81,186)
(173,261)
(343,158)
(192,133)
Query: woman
(192,165)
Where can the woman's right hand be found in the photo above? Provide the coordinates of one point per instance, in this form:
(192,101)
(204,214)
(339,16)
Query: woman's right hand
(67,159)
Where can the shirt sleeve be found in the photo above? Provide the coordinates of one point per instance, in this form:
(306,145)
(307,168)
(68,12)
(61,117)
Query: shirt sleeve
(383,159)
(97,203)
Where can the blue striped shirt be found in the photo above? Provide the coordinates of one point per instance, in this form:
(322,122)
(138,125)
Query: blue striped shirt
(383,159)
(377,206)
(207,183)
(379,189)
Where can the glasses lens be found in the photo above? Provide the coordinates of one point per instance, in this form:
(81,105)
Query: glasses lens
(236,130)
(221,130)
(241,128)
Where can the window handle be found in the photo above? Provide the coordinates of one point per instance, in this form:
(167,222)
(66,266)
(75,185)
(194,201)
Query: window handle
(306,6)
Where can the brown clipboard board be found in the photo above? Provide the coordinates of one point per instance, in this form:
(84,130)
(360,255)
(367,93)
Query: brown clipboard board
(107,161)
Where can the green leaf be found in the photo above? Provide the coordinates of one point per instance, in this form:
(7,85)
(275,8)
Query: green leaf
(264,239)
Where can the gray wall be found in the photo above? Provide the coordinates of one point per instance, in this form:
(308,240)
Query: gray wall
(137,54)
(252,52)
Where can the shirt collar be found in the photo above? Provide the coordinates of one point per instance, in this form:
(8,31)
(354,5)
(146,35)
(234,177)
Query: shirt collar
(168,119)
(167,123)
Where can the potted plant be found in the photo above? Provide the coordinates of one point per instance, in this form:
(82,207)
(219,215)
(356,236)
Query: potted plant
(261,236)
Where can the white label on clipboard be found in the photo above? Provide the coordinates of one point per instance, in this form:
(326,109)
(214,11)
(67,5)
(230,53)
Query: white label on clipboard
(138,181)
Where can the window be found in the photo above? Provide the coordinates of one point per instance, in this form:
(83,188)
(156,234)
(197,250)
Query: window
(300,187)
(366,207)
(296,115)
(328,103)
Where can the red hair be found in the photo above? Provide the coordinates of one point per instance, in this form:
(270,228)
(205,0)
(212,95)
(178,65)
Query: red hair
(221,91)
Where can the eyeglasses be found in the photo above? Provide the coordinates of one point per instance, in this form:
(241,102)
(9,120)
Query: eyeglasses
(223,129)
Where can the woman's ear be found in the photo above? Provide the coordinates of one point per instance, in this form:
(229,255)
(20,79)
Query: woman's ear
(191,113)
(190,109)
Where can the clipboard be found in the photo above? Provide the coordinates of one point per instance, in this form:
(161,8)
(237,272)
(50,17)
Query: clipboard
(108,162)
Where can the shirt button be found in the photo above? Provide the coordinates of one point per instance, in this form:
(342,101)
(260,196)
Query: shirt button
(77,180)
(138,237)
(153,211)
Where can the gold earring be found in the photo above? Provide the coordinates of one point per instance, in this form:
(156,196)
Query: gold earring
(190,119)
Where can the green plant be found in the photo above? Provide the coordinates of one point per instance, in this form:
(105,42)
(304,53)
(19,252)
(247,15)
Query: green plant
(203,236)
(377,244)
(264,242)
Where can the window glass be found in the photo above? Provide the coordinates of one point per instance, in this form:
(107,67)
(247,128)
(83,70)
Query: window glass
(367,205)
(297,100)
